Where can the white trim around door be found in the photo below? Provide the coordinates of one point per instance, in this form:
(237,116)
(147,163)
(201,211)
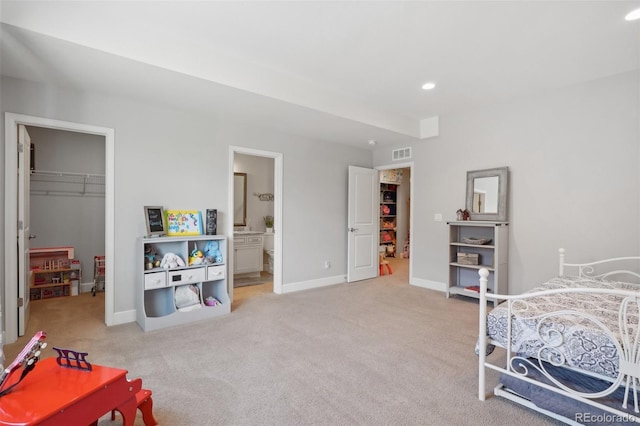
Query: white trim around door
(8,315)
(277,213)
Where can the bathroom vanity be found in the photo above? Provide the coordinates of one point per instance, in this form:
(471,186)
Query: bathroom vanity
(247,252)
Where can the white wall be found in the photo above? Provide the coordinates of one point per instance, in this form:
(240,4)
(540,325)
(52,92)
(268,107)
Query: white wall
(169,157)
(573,156)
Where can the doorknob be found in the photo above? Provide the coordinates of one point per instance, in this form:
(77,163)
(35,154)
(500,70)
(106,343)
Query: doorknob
(31,236)
(353,229)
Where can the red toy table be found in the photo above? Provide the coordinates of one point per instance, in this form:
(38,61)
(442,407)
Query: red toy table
(53,395)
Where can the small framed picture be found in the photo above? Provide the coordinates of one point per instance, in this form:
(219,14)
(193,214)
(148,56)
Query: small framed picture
(154,217)
(212,222)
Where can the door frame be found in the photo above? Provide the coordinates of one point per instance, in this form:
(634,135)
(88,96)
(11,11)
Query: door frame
(24,232)
(8,313)
(407,165)
(277,213)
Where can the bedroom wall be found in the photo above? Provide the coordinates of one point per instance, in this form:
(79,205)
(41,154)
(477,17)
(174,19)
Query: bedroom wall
(573,156)
(163,154)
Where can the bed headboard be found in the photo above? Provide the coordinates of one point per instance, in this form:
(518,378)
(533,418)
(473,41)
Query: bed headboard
(619,268)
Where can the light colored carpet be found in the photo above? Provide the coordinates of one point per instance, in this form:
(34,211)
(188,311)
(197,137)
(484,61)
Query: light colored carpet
(375,352)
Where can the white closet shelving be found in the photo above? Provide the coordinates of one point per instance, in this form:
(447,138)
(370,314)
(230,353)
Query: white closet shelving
(48,182)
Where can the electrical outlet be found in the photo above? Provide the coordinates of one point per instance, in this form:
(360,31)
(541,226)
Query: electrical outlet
(437,217)
(327,264)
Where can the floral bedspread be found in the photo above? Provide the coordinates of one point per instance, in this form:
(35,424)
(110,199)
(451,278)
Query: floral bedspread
(563,337)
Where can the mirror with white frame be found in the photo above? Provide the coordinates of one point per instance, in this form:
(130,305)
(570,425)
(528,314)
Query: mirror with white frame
(239,199)
(487,194)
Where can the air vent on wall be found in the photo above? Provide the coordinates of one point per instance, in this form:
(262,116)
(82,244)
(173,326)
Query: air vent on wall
(401,154)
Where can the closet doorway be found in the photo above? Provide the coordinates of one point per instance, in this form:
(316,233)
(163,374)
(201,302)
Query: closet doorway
(12,122)
(67,197)
(396,192)
(250,242)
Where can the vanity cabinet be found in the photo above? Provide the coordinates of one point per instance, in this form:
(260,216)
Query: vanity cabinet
(181,294)
(467,256)
(247,254)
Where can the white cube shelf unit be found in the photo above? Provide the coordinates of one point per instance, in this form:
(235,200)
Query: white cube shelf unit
(161,290)
(464,250)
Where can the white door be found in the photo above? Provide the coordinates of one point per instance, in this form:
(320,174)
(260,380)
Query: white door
(24,175)
(362,224)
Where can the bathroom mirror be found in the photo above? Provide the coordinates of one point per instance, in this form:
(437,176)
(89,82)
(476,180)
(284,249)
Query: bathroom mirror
(239,199)
(487,194)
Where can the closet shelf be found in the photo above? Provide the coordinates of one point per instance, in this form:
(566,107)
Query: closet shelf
(47,182)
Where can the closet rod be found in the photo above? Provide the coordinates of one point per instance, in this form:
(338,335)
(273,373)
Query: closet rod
(65,174)
(67,193)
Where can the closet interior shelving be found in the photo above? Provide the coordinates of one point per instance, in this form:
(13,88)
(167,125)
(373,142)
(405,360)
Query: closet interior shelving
(47,182)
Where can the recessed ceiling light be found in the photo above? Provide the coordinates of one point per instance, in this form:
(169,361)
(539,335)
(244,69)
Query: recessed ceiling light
(372,142)
(428,86)
(633,15)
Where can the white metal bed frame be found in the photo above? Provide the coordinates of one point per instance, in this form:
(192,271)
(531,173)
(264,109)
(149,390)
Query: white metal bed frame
(628,348)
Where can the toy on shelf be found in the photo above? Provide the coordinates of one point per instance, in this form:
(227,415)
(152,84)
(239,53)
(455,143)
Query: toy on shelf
(212,252)
(171,260)
(463,214)
(385,209)
(196,257)
(388,236)
(391,250)
(151,257)
(211,301)
(388,224)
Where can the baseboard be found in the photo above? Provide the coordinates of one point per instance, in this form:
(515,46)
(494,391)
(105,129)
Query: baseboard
(428,284)
(124,317)
(320,282)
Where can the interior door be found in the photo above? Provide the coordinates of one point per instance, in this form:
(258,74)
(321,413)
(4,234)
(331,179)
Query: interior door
(24,175)
(362,224)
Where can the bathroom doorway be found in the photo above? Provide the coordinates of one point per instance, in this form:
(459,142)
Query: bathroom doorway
(255,226)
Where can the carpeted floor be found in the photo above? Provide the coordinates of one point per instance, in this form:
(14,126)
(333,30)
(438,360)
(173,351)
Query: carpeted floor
(375,352)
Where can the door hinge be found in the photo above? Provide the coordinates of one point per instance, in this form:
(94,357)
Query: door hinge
(20,302)
(20,225)
(20,148)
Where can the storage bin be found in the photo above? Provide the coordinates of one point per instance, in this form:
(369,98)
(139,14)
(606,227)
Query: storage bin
(468,258)
(187,276)
(155,280)
(216,272)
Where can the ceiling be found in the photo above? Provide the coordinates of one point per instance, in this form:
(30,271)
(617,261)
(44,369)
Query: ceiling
(343,72)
